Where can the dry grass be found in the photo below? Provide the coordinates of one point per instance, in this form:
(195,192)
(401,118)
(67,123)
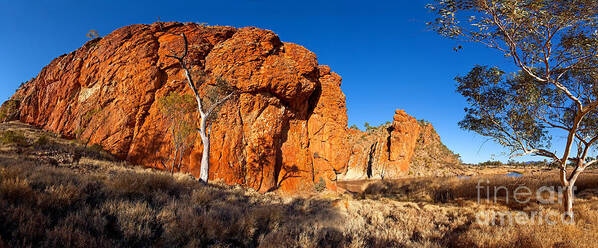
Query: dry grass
(102,203)
(442,211)
(44,206)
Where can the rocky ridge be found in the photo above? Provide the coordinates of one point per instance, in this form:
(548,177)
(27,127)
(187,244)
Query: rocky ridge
(286,130)
(384,151)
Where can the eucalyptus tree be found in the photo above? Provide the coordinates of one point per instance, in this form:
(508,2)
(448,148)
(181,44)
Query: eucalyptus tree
(553,46)
(176,108)
(207,104)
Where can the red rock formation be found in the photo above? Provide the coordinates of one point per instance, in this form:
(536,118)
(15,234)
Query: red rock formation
(432,157)
(383,152)
(286,130)
(403,138)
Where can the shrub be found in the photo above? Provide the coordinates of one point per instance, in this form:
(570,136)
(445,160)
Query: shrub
(95,151)
(368,127)
(42,142)
(320,186)
(15,189)
(491,164)
(96,148)
(135,220)
(9,110)
(13,138)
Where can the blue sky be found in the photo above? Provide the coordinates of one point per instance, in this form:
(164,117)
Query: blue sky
(382,49)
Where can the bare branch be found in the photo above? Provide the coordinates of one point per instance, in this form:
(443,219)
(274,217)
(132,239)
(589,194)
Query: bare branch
(216,104)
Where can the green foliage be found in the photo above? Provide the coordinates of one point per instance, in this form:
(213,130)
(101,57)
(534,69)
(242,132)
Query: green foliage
(215,94)
(175,105)
(178,110)
(84,121)
(9,110)
(506,108)
(320,186)
(354,127)
(13,138)
(370,128)
(96,148)
(490,163)
(42,142)
(554,45)
(524,25)
(92,34)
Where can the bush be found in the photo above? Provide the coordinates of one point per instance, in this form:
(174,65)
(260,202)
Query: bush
(491,164)
(96,148)
(42,142)
(13,138)
(320,186)
(9,110)
(16,190)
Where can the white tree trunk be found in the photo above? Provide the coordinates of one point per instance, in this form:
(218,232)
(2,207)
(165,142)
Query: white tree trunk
(204,113)
(205,156)
(176,151)
(568,202)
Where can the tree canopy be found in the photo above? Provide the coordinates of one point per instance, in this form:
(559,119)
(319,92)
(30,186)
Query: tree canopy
(554,45)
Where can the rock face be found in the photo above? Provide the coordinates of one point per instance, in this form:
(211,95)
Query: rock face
(431,157)
(383,152)
(286,130)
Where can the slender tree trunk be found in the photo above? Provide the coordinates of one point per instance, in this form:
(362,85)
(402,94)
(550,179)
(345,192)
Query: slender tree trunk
(568,202)
(205,136)
(205,156)
(568,196)
(176,151)
(205,160)
(182,153)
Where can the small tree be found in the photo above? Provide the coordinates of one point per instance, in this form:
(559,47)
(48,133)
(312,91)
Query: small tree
(92,34)
(219,93)
(554,46)
(177,108)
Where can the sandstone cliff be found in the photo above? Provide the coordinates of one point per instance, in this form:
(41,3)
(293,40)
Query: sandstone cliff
(403,147)
(286,129)
(431,157)
(384,151)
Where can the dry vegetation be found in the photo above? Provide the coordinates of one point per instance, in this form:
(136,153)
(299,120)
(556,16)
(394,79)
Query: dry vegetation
(47,200)
(432,157)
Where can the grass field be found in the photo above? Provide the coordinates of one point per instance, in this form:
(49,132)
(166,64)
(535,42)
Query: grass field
(48,200)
